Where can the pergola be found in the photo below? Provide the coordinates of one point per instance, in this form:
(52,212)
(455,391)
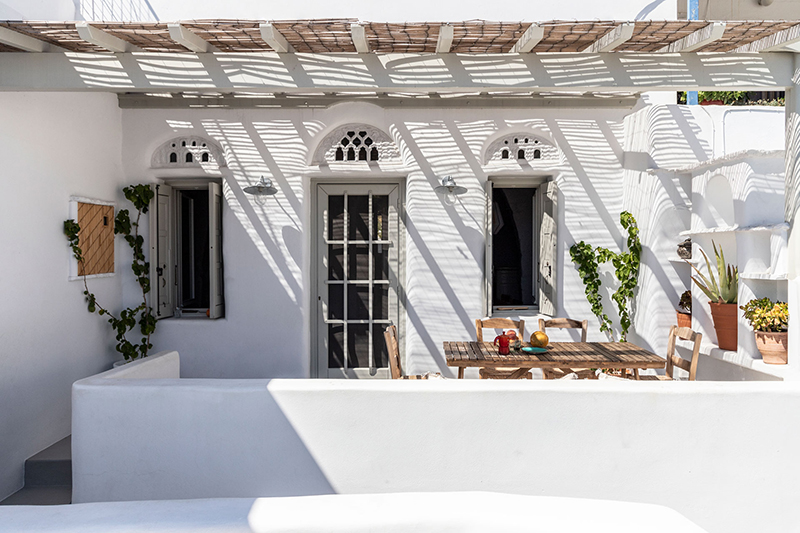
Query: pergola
(255,63)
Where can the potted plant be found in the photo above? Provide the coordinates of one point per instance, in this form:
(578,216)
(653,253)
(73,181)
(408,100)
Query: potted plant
(722,296)
(770,322)
(685,310)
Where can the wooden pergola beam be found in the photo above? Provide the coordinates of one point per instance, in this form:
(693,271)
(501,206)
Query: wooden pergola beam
(611,40)
(445,40)
(103,39)
(696,40)
(189,40)
(777,42)
(359,36)
(275,39)
(528,40)
(26,42)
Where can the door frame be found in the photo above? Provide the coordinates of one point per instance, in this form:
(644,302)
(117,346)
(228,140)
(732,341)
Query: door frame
(507,181)
(314,255)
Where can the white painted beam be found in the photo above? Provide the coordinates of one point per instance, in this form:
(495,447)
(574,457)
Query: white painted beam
(188,39)
(26,42)
(611,40)
(445,41)
(782,41)
(698,39)
(272,72)
(98,37)
(359,36)
(529,39)
(275,39)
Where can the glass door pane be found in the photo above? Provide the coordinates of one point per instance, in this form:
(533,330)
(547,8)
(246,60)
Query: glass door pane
(358,278)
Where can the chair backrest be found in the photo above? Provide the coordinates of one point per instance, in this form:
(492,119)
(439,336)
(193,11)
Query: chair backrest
(674,360)
(390,335)
(502,323)
(565,323)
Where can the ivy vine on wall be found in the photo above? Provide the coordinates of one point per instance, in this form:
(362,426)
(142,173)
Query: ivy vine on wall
(140,196)
(626,268)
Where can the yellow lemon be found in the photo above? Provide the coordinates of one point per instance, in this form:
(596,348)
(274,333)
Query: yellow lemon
(539,339)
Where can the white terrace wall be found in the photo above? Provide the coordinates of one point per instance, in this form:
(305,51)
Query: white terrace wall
(708,450)
(663,139)
(52,146)
(266,330)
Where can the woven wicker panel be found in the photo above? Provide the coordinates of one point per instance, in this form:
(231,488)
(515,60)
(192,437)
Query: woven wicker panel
(411,38)
(651,36)
(230,35)
(318,36)
(478,36)
(152,37)
(6,48)
(61,34)
(741,33)
(571,36)
(96,238)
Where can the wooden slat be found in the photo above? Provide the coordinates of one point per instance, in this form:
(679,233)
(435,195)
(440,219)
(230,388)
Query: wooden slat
(96,239)
(559,355)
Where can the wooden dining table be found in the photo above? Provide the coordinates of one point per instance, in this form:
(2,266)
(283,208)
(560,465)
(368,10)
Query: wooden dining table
(559,355)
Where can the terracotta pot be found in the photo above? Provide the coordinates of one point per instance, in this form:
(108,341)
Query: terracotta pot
(774,346)
(726,325)
(684,320)
(712,102)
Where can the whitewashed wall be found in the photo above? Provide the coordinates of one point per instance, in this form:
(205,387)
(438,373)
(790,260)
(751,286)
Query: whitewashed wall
(711,451)
(266,330)
(669,138)
(52,146)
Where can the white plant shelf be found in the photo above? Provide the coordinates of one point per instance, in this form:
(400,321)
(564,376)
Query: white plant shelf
(763,276)
(735,229)
(752,362)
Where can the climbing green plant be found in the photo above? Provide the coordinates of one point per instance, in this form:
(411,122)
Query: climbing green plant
(626,268)
(127,319)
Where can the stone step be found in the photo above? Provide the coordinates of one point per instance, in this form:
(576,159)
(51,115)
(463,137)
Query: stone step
(48,477)
(40,496)
(51,467)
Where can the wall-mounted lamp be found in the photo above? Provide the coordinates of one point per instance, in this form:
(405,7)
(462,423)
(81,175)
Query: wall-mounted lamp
(261,190)
(450,190)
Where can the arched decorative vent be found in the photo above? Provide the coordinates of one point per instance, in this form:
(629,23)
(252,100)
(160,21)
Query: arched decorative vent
(521,147)
(187,152)
(356,142)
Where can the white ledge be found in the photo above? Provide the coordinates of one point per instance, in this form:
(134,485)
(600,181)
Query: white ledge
(751,362)
(733,157)
(735,229)
(763,276)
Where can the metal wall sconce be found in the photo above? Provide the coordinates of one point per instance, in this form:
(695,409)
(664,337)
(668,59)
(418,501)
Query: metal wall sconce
(450,190)
(261,190)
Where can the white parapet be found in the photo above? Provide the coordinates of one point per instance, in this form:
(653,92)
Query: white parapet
(159,439)
(396,513)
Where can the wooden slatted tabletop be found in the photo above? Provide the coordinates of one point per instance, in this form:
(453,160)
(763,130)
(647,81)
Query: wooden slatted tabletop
(605,355)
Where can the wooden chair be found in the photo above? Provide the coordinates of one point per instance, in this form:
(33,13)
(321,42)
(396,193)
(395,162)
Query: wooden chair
(566,323)
(396,371)
(674,360)
(504,324)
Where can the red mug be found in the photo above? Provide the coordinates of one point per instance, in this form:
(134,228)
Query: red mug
(502,347)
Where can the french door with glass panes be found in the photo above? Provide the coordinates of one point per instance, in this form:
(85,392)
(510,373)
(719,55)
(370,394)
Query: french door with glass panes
(356,269)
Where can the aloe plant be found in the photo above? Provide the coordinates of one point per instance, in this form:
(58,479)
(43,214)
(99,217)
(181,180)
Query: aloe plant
(724,292)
